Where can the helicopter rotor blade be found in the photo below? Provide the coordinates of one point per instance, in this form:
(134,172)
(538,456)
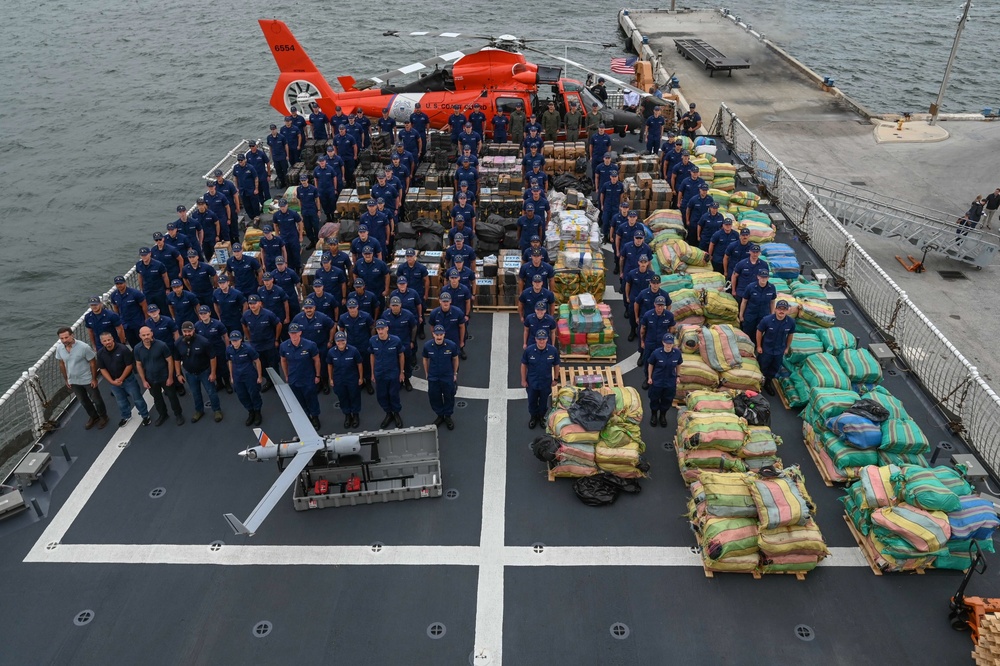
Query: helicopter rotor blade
(427,33)
(607,77)
(430,63)
(606,45)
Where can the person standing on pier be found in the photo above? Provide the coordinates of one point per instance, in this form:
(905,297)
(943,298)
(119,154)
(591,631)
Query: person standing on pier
(992,202)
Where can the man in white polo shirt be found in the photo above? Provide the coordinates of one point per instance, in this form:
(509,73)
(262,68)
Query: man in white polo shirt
(78,364)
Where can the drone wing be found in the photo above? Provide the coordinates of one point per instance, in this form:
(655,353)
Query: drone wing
(300,420)
(275,493)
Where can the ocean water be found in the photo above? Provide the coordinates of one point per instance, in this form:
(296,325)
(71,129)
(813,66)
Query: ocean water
(112,110)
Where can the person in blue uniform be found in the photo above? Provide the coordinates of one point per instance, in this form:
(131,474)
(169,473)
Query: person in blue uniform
(636,280)
(602,171)
(688,188)
(611,194)
(358,325)
(332,279)
(647,297)
(698,213)
(248,185)
(318,328)
(402,324)
(406,158)
(477,120)
(293,137)
(535,244)
(326,177)
(415,275)
(246,376)
(410,138)
(183,303)
(309,205)
(366,299)
(339,258)
(347,149)
(182,242)
(451,318)
(654,130)
(288,280)
(468,174)
(339,118)
(598,144)
(387,125)
(745,273)
(720,242)
(365,240)
(679,173)
(624,234)
(345,370)
(130,304)
(336,162)
(291,231)
(619,220)
(319,122)
(218,203)
(387,361)
(300,362)
(199,278)
(258,159)
(380,227)
(263,329)
(229,304)
(164,328)
(362,121)
(758,302)
(375,274)
(168,255)
(299,121)
(533,124)
(440,357)
(456,121)
(539,320)
(228,190)
(671,155)
(196,367)
(530,297)
(532,153)
(653,325)
(470,139)
(736,252)
(356,130)
(461,300)
(774,340)
(537,199)
(535,266)
(101,320)
(244,270)
(528,225)
(538,375)
(387,193)
(661,377)
(500,123)
(215,332)
(274,299)
(410,299)
(466,276)
(211,227)
(401,172)
(537,177)
(421,121)
(330,304)
(459,248)
(279,154)
(153,278)
(691,122)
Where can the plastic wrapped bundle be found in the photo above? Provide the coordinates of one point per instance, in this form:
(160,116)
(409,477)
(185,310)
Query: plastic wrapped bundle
(669,259)
(815,314)
(686,307)
(743,342)
(823,371)
(755,215)
(694,374)
(845,456)
(795,390)
(803,346)
(568,470)
(860,366)
(720,195)
(727,495)
(562,427)
(747,377)
(695,463)
(582,454)
(779,502)
(771,250)
(745,198)
(719,349)
(709,401)
(836,339)
(709,281)
(711,430)
(760,232)
(826,403)
(786,267)
(856,430)
(903,437)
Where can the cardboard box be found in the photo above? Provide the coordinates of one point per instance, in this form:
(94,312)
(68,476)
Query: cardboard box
(223,251)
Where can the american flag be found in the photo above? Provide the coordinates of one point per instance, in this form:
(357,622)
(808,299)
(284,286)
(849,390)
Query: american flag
(623,65)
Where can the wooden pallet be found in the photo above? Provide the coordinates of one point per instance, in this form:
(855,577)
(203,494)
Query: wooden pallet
(710,573)
(587,358)
(611,377)
(987,652)
(869,552)
(823,474)
(495,308)
(781,393)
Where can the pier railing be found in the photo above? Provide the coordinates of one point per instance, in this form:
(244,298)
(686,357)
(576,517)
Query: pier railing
(971,406)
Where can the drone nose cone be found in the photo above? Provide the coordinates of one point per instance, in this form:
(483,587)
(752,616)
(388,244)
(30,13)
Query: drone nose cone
(242,454)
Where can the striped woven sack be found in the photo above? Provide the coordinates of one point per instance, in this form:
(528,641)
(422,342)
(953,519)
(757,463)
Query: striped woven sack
(791,392)
(719,350)
(561,427)
(747,377)
(844,455)
(793,540)
(627,454)
(878,484)
(727,495)
(823,371)
(803,346)
(709,401)
(721,307)
(669,261)
(628,405)
(743,341)
(675,282)
(761,442)
(721,196)
(900,459)
(691,255)
(922,489)
(977,519)
(770,250)
(778,503)
(817,312)
(893,405)
(855,508)
(757,464)
(953,480)
(788,563)
(784,267)
(695,371)
(729,537)
(708,281)
(807,289)
(712,430)
(760,232)
(860,366)
(744,563)
(903,436)
(745,198)
(689,338)
(685,304)
(694,463)
(927,532)
(833,472)
(755,216)
(573,470)
(836,339)
(723,184)
(824,403)
(959,557)
(578,453)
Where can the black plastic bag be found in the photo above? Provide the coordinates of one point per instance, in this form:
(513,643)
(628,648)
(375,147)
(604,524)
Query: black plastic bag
(428,242)
(596,490)
(870,410)
(756,410)
(545,448)
(591,410)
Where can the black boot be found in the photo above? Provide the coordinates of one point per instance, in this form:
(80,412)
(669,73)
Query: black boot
(398,419)
(251,417)
(257,418)
(369,387)
(652,419)
(386,421)
(663,419)
(631,334)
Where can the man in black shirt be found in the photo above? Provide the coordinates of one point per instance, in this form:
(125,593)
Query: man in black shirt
(115,362)
(992,202)
(196,366)
(155,366)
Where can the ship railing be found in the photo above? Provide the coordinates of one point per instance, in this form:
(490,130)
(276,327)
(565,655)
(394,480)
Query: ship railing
(33,405)
(954,384)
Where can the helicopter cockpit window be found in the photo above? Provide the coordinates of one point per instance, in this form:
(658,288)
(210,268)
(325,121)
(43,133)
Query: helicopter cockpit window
(571,86)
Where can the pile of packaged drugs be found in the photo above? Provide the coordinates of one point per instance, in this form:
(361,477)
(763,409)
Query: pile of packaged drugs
(497,288)
(716,356)
(584,330)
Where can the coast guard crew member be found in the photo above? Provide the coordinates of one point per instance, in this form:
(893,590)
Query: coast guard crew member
(215,332)
(279,153)
(441,368)
(309,204)
(257,158)
(275,299)
(636,280)
(101,319)
(319,122)
(346,371)
(327,185)
(410,299)
(293,137)
(402,324)
(530,297)
(244,269)
(517,122)
(210,225)
(720,241)
(500,124)
(758,302)
(456,121)
(168,255)
(199,278)
(745,273)
(218,203)
(246,181)
(130,304)
(736,252)
(655,323)
(528,225)
(647,297)
(410,138)
(451,318)
(387,125)
(358,325)
(774,340)
(300,365)
(288,280)
(538,375)
(539,320)
(387,361)
(661,376)
(290,228)
(263,329)
(347,149)
(229,304)
(654,130)
(246,375)
(420,122)
(318,328)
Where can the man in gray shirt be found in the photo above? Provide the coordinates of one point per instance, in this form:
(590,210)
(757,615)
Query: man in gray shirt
(78,364)
(155,365)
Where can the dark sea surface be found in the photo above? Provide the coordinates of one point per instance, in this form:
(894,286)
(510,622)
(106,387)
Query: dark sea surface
(112,111)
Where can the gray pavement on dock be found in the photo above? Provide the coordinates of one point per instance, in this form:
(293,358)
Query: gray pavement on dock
(820,133)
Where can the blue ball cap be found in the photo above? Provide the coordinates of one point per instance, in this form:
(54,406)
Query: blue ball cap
(173,225)
(94,300)
(192,253)
(362,227)
(282,202)
(181,208)
(268,276)
(143,251)
(295,328)
(359,283)
(119,279)
(643,257)
(253,298)
(157,235)
(223,278)
(352,303)
(536,163)
(633,213)
(288,119)
(541,334)
(459,260)
(204,309)
(744,232)
(703,186)
(535,188)
(438,329)
(763,272)
(639,233)
(402,280)
(326,258)
(623,204)
(309,303)
(655,279)
(536,252)
(783,304)
(459,237)
(537,278)
(755,248)
(445,297)
(668,339)
(241,157)
(381,323)
(237,247)
(529,207)
(330,148)
(368,250)
(279,261)
(176,283)
(272,126)
(395,300)
(659,300)
(371,202)
(541,305)
(410,252)
(153,307)
(380,200)
(394,157)
(715,204)
(321,158)
(236,335)
(535,239)
(339,335)
(613,172)
(268,228)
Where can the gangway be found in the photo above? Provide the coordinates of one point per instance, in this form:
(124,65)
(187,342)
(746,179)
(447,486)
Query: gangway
(930,230)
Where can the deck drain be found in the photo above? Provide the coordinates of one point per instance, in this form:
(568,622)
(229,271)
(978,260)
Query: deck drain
(157,492)
(216,546)
(492,418)
(859,182)
(947,446)
(538,547)
(84,617)
(262,628)
(695,550)
(451,493)
(804,632)
(436,630)
(377,547)
(845,312)
(952,275)
(461,404)
(668,445)
(52,545)
(807,263)
(620,631)
(892,372)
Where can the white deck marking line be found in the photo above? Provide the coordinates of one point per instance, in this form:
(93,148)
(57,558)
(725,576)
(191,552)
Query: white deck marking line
(61,522)
(491,561)
(476,393)
(489,593)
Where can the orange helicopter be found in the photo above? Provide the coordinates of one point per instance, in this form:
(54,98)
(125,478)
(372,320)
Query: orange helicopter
(497,77)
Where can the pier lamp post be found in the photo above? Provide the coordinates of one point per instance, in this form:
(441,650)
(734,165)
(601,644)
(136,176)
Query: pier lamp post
(936,106)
